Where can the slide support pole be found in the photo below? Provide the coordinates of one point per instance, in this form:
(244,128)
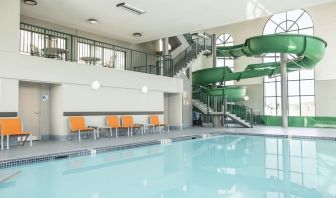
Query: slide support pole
(284,90)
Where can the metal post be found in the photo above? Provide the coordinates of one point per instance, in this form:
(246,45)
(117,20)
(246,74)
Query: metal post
(284,90)
(213,49)
(165,52)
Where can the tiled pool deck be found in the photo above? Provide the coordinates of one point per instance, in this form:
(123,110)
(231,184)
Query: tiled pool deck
(45,148)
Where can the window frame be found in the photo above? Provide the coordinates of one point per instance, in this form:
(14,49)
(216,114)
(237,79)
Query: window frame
(275,56)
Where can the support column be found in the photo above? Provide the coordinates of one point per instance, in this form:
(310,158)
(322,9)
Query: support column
(165,44)
(284,89)
(165,51)
(214,48)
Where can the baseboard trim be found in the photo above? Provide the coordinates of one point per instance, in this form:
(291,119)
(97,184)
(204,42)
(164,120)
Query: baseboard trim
(103,113)
(58,137)
(8,114)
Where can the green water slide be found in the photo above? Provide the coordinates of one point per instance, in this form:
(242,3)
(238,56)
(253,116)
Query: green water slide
(309,50)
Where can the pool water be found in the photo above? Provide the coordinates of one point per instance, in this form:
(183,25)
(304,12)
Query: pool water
(223,166)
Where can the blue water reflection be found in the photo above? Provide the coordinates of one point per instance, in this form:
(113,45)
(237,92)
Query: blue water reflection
(225,166)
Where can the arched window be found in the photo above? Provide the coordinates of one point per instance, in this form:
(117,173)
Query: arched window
(301,87)
(225,39)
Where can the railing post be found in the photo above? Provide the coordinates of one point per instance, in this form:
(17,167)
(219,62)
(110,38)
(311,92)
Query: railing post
(131,61)
(94,52)
(252,117)
(146,59)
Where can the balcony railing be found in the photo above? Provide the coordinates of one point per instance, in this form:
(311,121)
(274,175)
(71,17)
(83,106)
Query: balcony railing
(42,42)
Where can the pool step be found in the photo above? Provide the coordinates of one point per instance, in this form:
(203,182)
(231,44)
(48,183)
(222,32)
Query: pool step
(7,176)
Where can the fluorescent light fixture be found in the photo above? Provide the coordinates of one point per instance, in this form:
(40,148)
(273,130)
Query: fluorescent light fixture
(131,8)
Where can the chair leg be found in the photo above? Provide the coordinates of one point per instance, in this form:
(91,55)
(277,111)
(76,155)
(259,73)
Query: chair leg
(2,146)
(7,142)
(31,140)
(94,134)
(79,136)
(167,128)
(111,133)
(116,132)
(128,131)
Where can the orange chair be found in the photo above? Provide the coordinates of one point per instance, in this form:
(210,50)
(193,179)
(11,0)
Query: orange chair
(155,121)
(77,125)
(13,127)
(113,123)
(127,122)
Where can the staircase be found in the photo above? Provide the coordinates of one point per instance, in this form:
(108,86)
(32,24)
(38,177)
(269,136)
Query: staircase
(209,105)
(184,60)
(231,110)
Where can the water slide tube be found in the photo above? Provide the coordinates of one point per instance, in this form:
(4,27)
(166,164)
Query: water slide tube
(308,49)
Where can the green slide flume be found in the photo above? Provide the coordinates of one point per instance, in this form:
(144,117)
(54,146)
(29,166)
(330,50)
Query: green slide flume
(309,50)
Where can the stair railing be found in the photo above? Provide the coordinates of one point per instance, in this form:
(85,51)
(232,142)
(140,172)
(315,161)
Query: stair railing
(241,110)
(198,45)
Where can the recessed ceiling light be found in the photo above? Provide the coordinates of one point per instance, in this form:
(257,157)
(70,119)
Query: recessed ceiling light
(30,2)
(131,8)
(137,34)
(92,21)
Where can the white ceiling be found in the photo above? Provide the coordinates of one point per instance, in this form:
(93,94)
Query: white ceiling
(163,17)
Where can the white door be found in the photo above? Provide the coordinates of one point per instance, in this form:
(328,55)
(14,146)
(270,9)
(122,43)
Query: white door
(30,107)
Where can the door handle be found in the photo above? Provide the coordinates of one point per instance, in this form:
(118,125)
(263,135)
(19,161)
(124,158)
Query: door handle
(37,112)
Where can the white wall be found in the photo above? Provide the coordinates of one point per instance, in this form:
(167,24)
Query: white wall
(202,62)
(9,23)
(84,98)
(9,95)
(30,68)
(175,110)
(57,122)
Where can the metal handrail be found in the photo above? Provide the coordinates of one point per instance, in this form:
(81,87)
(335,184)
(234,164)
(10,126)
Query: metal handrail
(108,55)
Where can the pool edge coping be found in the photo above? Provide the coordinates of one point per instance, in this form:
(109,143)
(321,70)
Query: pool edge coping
(23,161)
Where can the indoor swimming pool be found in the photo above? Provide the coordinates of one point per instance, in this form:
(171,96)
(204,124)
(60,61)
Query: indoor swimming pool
(222,166)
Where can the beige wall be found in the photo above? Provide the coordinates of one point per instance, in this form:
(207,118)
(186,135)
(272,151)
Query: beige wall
(324,26)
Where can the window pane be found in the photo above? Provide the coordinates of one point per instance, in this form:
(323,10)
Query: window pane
(307,87)
(227,83)
(270,106)
(267,79)
(305,21)
(294,106)
(308,106)
(308,31)
(278,88)
(220,62)
(269,89)
(278,104)
(307,74)
(293,88)
(294,75)
(269,28)
(229,63)
(294,14)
